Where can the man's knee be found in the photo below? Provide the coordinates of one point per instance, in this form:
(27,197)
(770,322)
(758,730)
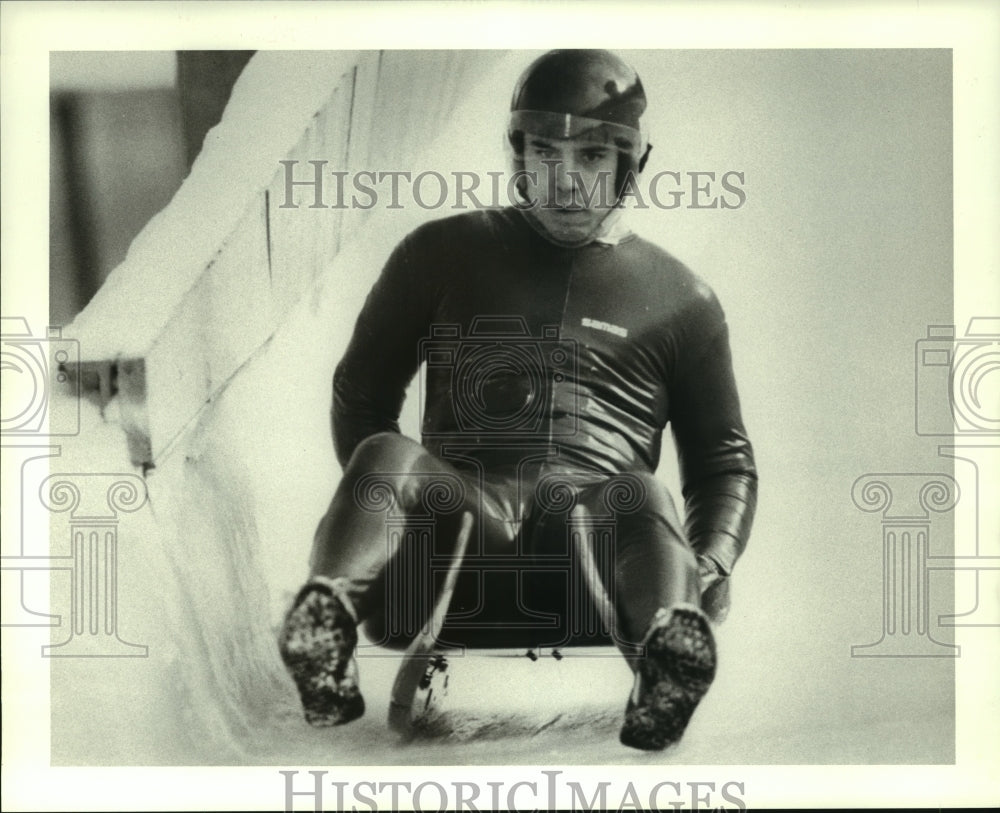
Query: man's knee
(659,504)
(385,452)
(641,508)
(390,464)
(636,494)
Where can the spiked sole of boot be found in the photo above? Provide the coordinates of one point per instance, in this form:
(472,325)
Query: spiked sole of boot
(317,645)
(671,680)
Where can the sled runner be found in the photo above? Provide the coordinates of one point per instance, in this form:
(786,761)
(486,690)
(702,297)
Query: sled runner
(413,691)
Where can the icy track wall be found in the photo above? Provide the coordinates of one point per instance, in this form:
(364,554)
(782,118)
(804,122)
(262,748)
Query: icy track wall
(221,330)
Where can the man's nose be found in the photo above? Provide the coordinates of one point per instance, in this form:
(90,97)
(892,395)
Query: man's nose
(565,180)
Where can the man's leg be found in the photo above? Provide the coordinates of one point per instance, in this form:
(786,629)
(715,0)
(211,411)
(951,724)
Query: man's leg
(388,479)
(653,577)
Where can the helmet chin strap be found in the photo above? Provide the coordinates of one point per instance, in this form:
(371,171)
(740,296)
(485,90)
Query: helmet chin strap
(610,231)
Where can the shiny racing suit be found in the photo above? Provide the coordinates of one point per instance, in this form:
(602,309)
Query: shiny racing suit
(551,374)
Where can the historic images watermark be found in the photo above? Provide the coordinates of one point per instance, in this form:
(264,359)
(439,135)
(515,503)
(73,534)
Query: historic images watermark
(906,502)
(83,510)
(547,790)
(956,395)
(311,184)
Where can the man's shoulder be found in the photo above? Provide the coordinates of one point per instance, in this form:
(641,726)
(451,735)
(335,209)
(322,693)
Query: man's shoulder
(479,225)
(668,274)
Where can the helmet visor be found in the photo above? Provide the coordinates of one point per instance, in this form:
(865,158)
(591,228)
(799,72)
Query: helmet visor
(579,128)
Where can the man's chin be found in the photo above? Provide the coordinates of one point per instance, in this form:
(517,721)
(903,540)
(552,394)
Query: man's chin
(569,235)
(568,228)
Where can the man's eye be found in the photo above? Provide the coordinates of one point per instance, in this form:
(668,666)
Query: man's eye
(594,157)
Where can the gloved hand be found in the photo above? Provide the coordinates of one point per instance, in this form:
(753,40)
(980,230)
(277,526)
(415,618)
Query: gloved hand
(715,598)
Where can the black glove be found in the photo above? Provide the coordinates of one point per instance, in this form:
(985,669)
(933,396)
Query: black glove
(714,590)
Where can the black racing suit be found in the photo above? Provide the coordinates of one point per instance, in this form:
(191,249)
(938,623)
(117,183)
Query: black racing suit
(550,372)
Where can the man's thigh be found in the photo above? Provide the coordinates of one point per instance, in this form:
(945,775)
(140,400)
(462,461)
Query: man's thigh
(420,499)
(594,535)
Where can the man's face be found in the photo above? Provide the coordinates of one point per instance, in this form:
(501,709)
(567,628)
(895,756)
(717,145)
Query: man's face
(575,186)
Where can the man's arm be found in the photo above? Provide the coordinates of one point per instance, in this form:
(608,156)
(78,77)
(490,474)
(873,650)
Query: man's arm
(717,468)
(369,384)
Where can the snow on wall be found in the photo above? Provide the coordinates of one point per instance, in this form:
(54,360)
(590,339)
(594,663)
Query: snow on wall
(237,162)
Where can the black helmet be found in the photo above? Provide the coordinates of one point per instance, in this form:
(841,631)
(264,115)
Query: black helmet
(581,94)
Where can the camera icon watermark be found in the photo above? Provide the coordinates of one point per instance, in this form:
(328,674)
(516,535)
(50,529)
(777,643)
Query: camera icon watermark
(30,364)
(502,380)
(957,380)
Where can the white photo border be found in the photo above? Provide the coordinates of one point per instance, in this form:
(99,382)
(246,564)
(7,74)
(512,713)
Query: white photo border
(31,30)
